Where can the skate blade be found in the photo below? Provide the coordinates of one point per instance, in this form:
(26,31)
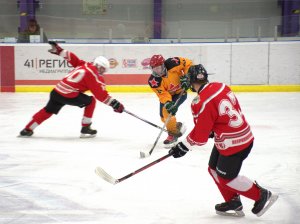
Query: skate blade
(270,202)
(232,214)
(24,136)
(87,136)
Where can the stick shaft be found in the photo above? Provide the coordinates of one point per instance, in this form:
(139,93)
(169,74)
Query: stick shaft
(165,124)
(144,167)
(142,119)
(158,137)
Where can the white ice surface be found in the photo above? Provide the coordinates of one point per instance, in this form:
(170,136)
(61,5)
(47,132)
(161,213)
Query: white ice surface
(49,178)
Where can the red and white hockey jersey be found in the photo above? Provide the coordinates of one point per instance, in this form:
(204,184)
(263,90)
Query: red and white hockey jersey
(84,77)
(217,109)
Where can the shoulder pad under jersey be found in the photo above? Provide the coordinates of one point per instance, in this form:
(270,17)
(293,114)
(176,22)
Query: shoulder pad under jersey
(154,82)
(172,62)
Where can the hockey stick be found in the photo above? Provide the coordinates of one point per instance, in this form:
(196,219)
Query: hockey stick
(104,175)
(148,122)
(147,154)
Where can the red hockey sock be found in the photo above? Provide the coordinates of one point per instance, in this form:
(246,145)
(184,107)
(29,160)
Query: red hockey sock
(241,185)
(88,113)
(38,118)
(89,109)
(226,193)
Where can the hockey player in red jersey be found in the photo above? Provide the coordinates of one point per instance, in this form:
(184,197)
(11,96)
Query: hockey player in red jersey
(217,114)
(70,91)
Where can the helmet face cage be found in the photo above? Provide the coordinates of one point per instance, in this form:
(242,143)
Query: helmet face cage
(159,71)
(197,74)
(157,65)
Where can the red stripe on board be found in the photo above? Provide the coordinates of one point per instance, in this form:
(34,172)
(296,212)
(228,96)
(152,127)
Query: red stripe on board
(119,79)
(7,69)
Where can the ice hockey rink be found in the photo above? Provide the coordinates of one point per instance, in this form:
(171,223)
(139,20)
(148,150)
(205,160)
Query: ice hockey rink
(49,178)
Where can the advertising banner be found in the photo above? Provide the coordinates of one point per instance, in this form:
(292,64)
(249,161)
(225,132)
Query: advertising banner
(31,65)
(129,64)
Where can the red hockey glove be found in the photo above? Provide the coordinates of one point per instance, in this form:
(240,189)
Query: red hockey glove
(117,106)
(56,49)
(178,150)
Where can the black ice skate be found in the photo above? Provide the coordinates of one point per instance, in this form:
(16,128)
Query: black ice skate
(87,132)
(233,208)
(266,200)
(26,133)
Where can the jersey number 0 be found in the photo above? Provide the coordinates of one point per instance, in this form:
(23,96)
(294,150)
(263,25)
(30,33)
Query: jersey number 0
(75,75)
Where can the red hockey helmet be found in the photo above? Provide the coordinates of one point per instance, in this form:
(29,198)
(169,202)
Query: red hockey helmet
(157,65)
(156,60)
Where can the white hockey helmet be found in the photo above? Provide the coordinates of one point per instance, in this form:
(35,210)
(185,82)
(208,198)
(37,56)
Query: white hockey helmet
(101,61)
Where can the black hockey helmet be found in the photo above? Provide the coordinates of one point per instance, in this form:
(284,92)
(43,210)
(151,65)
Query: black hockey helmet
(197,74)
